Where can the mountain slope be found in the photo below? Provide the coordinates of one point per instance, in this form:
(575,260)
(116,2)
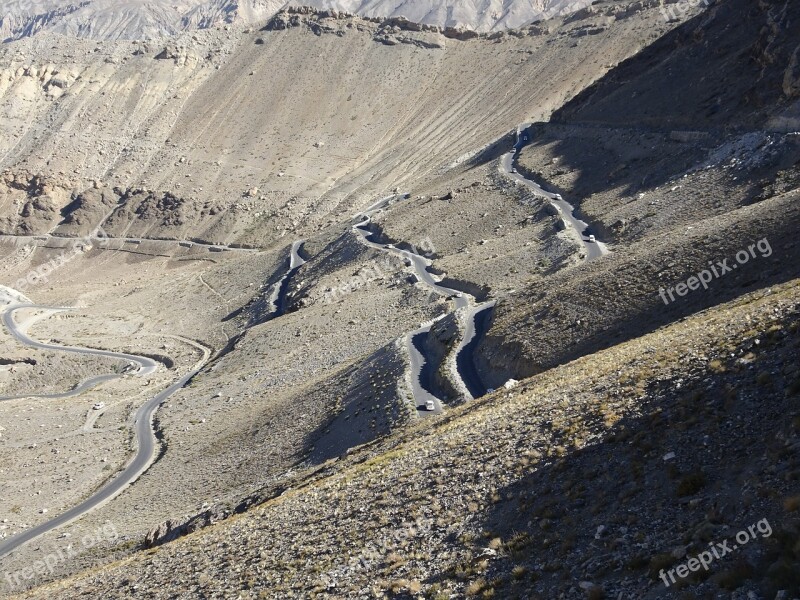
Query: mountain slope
(481,15)
(138,19)
(588,478)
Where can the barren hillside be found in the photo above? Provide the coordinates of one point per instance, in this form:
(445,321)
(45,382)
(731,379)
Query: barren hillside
(140,20)
(381,306)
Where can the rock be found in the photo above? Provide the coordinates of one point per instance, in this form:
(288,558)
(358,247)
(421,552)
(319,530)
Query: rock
(552,210)
(678,552)
(463,35)
(171,529)
(593,591)
(600,531)
(59,81)
(160,534)
(169,52)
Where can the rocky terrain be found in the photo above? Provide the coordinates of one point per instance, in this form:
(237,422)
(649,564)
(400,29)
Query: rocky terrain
(249,202)
(138,20)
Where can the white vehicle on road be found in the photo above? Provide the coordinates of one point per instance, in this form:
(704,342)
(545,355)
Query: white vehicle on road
(558,197)
(429,405)
(99,406)
(592,239)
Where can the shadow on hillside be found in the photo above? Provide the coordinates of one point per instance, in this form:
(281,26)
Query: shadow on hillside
(726,70)
(365,405)
(613,512)
(600,160)
(618,297)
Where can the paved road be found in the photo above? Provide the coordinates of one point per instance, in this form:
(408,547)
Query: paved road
(277,298)
(420,264)
(417,371)
(76,391)
(146,365)
(470,379)
(102,241)
(143,430)
(594,250)
(296,261)
(477,324)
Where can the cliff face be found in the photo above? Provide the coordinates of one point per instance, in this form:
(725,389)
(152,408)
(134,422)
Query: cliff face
(480,15)
(137,19)
(749,76)
(728,78)
(128,19)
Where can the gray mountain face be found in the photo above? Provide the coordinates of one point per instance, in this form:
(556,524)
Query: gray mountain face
(138,19)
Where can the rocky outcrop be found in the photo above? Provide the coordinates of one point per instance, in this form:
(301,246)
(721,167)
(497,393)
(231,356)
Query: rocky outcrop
(459,33)
(171,530)
(108,19)
(390,31)
(17,361)
(180,55)
(86,210)
(164,209)
(38,200)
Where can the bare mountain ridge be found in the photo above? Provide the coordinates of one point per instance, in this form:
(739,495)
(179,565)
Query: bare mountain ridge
(136,19)
(129,19)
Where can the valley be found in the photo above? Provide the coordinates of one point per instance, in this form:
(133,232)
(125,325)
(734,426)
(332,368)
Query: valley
(308,303)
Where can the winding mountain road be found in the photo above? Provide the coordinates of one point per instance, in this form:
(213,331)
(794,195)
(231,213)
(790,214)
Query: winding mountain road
(142,423)
(277,299)
(477,322)
(416,372)
(594,250)
(470,381)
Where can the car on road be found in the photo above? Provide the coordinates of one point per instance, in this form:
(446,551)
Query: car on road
(558,197)
(592,239)
(99,406)
(429,405)
(513,170)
